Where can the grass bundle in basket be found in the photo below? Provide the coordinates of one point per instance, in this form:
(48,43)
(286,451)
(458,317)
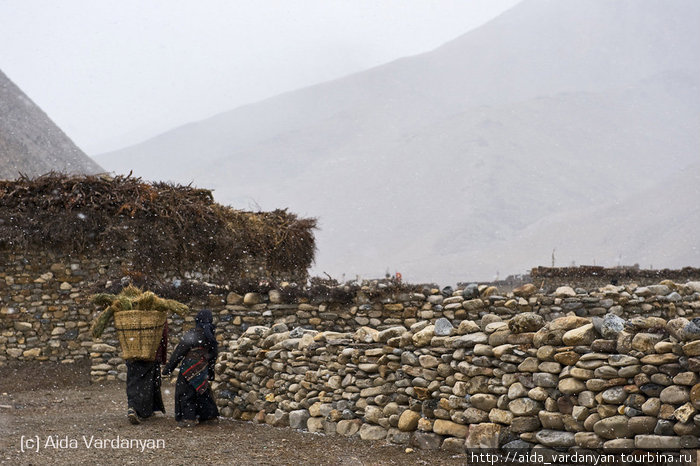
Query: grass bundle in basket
(130,298)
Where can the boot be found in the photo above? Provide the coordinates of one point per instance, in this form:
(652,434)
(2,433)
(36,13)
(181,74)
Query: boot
(133,417)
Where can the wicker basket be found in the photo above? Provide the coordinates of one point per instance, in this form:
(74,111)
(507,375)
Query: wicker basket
(139,333)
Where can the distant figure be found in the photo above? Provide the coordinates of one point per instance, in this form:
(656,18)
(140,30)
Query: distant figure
(197,351)
(143,383)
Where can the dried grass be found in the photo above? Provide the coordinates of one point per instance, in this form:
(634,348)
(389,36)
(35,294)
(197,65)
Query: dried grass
(156,225)
(131,297)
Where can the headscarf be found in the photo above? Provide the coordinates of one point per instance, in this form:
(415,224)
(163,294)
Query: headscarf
(205,321)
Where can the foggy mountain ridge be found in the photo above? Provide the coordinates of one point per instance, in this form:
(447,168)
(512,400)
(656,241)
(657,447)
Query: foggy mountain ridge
(438,165)
(32,144)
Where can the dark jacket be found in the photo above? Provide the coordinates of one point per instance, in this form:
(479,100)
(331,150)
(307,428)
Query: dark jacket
(192,339)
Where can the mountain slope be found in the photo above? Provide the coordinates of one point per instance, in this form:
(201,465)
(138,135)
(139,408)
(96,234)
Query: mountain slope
(553,106)
(30,143)
(656,227)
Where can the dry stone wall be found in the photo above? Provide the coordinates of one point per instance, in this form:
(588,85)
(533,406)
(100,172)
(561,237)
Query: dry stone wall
(45,311)
(614,368)
(588,276)
(617,366)
(45,308)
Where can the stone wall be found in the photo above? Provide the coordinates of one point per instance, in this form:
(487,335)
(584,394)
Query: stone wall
(45,308)
(45,311)
(615,368)
(587,276)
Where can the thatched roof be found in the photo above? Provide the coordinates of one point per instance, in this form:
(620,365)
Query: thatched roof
(157,225)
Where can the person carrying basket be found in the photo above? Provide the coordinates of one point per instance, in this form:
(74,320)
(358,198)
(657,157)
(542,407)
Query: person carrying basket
(143,383)
(140,321)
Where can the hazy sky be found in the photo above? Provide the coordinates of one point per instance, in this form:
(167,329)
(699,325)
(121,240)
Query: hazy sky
(111,73)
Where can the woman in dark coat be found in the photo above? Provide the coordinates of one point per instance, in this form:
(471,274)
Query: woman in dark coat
(196,353)
(143,384)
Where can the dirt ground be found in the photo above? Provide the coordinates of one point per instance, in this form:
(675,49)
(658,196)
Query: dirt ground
(56,405)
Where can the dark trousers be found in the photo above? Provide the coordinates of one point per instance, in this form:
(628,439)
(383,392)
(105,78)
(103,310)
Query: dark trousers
(143,387)
(190,406)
